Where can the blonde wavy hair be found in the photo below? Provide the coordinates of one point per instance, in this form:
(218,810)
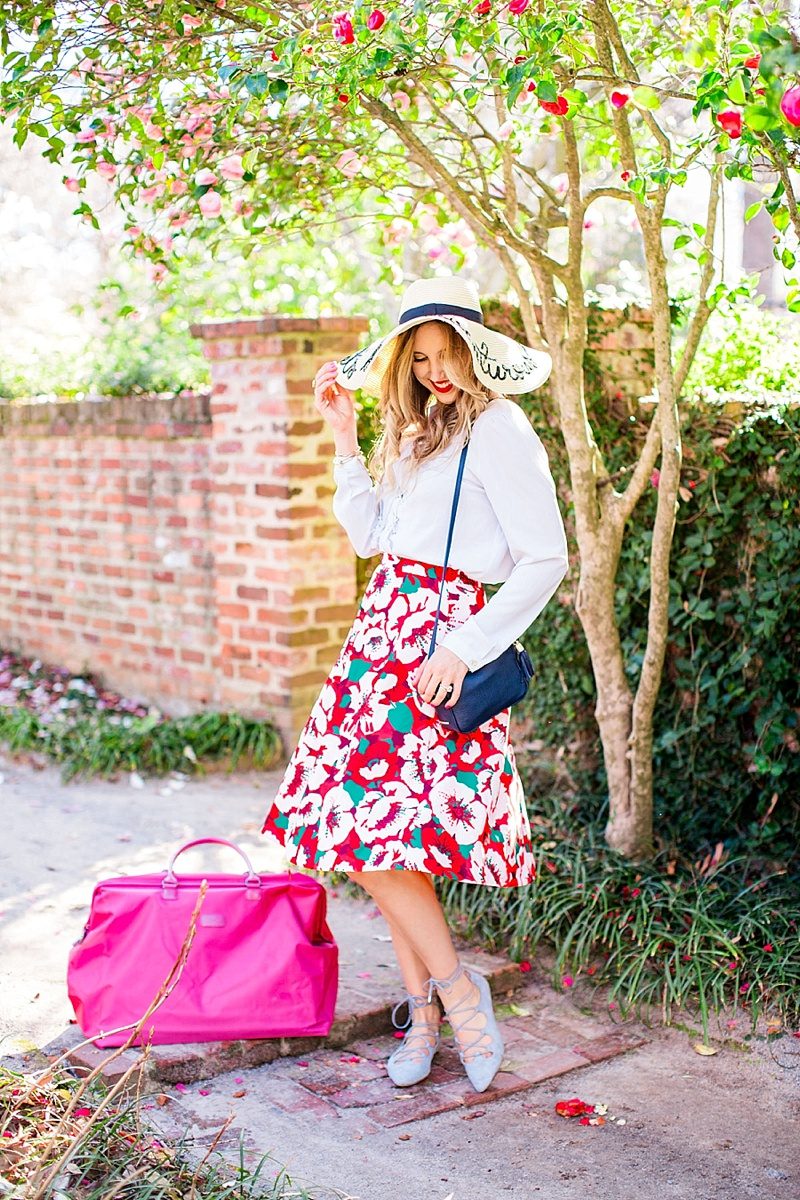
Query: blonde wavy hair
(405,408)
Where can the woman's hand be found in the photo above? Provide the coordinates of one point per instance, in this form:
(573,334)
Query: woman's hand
(436,674)
(334,401)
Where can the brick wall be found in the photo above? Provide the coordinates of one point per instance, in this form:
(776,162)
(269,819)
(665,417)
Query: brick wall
(185,548)
(105,560)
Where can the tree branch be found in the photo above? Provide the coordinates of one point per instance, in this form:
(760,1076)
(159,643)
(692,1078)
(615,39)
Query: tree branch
(702,312)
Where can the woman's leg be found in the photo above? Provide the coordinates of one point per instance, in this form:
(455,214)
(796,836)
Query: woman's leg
(409,903)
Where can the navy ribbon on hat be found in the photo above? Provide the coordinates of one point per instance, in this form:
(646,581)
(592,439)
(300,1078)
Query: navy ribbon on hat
(437,308)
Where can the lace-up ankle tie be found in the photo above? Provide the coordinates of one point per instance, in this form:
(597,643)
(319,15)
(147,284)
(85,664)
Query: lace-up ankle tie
(411,1061)
(483,1063)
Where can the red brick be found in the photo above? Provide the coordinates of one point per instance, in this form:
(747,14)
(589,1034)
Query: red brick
(547,1066)
(293,1097)
(363,1095)
(599,1049)
(421,1103)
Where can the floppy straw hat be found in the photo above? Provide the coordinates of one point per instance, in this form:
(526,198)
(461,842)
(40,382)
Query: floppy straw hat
(501,363)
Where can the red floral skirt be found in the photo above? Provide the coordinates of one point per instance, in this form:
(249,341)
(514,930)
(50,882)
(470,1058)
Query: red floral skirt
(377,782)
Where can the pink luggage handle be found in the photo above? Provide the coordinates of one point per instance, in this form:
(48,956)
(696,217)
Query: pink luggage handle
(170,880)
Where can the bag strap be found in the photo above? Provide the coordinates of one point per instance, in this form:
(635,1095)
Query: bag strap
(456,493)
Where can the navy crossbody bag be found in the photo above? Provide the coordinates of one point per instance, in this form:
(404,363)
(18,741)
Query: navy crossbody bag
(496,685)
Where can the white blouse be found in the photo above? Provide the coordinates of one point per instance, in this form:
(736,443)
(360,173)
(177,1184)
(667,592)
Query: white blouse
(508,526)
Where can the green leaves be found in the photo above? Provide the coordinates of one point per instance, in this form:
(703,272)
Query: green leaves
(645,97)
(256,84)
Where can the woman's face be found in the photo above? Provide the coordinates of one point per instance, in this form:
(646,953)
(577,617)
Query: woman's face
(430,343)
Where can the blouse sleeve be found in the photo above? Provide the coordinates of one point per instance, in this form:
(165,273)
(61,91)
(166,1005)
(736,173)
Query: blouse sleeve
(512,465)
(356,505)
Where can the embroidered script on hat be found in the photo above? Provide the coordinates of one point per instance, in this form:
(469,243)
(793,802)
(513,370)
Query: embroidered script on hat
(491,365)
(353,364)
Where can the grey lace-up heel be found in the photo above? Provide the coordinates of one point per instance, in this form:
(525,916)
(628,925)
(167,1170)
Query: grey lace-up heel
(412,1059)
(481,1065)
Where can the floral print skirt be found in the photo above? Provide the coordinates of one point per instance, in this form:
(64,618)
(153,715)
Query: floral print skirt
(377,782)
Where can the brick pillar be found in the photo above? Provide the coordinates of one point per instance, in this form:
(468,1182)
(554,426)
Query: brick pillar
(285,570)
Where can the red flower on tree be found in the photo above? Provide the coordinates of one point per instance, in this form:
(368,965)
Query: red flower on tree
(483,8)
(753,61)
(731,122)
(375,19)
(619,99)
(343,29)
(518,6)
(559,106)
(790,105)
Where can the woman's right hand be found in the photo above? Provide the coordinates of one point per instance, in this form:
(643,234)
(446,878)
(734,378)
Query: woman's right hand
(334,401)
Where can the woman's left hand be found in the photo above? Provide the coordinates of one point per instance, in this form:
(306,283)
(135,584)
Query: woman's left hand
(436,674)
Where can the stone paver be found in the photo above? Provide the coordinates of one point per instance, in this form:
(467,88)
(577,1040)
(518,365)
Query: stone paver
(352,1089)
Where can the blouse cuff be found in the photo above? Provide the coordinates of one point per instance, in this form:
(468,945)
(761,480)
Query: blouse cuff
(470,644)
(354,468)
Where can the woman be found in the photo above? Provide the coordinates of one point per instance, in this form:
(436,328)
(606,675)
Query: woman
(378,786)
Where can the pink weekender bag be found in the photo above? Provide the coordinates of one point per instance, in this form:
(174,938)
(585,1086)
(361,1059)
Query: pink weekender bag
(263,962)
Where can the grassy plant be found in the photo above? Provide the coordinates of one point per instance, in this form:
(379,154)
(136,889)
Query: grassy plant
(664,937)
(711,938)
(90,730)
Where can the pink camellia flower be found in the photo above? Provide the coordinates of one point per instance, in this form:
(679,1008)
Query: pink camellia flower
(105,169)
(375,19)
(731,122)
(343,29)
(179,220)
(72,184)
(154,131)
(790,105)
(85,136)
(231,167)
(190,22)
(655,477)
(619,99)
(504,132)
(349,163)
(402,101)
(461,235)
(149,194)
(567,981)
(518,6)
(205,177)
(210,204)
(432,246)
(399,231)
(178,187)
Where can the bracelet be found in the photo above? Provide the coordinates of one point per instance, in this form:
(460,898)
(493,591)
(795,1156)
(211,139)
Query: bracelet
(338,459)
